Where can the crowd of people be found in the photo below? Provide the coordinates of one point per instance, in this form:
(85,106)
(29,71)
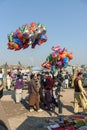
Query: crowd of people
(44,90)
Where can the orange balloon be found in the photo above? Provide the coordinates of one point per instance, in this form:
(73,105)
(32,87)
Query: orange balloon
(10,43)
(63,56)
(31,29)
(70,56)
(33,24)
(65,52)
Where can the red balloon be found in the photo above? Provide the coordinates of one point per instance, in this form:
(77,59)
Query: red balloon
(56,48)
(19,34)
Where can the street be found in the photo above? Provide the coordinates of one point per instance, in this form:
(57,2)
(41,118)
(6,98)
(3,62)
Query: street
(18,117)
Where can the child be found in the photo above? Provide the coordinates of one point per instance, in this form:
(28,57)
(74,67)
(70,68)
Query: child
(56,96)
(18,88)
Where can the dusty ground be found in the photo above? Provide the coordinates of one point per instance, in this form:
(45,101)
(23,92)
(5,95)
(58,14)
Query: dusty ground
(19,117)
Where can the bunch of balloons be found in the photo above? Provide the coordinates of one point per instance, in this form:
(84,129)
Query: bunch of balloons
(33,34)
(59,58)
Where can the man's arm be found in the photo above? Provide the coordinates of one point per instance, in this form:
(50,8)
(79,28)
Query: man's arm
(81,87)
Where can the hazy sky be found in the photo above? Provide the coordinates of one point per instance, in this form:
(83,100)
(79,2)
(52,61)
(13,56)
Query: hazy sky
(66,22)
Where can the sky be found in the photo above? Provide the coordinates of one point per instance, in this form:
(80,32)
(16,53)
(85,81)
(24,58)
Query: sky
(65,20)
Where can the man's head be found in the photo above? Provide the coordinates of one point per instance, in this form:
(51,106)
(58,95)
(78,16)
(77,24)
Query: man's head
(46,74)
(32,76)
(38,76)
(56,81)
(80,75)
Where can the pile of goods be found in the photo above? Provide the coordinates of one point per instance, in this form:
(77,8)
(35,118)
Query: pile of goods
(68,123)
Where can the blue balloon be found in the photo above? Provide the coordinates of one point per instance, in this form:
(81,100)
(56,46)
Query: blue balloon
(16,40)
(65,60)
(53,68)
(43,36)
(65,65)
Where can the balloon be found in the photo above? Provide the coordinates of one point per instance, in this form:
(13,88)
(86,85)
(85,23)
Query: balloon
(10,43)
(70,56)
(33,34)
(43,38)
(26,34)
(19,34)
(65,60)
(33,24)
(56,48)
(53,68)
(31,30)
(63,56)
(34,43)
(16,46)
(54,54)
(47,65)
(16,40)
(10,37)
(25,46)
(59,58)
(59,63)
(65,65)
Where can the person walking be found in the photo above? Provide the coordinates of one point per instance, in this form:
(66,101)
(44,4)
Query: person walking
(18,88)
(33,95)
(9,81)
(79,94)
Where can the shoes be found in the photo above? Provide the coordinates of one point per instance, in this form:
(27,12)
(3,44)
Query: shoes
(31,110)
(40,110)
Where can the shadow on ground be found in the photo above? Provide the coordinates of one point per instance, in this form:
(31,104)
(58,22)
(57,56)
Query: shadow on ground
(69,108)
(34,123)
(11,93)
